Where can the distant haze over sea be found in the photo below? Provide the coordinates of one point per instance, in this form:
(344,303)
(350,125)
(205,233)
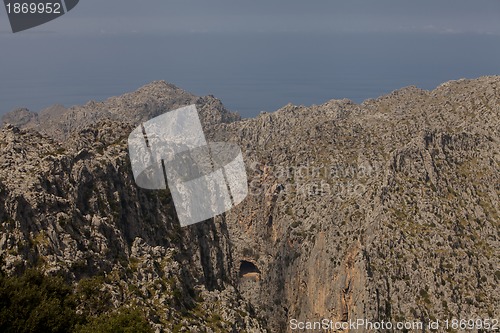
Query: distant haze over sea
(249,72)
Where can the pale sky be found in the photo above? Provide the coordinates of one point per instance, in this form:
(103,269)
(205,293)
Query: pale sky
(236,16)
(253,54)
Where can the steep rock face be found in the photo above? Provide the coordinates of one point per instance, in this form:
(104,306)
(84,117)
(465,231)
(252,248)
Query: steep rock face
(382,211)
(72,207)
(387,210)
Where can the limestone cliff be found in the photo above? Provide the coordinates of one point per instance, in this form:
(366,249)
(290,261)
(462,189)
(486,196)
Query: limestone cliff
(385,210)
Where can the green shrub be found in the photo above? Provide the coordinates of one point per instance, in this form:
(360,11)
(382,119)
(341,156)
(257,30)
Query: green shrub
(33,302)
(92,297)
(123,321)
(36,303)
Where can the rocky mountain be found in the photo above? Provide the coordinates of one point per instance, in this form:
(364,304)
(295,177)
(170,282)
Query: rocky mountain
(132,108)
(385,210)
(21,117)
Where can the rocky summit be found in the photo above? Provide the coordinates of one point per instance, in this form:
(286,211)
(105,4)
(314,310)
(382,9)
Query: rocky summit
(386,211)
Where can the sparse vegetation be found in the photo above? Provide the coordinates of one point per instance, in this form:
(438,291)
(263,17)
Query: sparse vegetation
(33,302)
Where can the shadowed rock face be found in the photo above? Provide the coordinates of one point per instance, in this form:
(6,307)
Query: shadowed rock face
(69,205)
(386,210)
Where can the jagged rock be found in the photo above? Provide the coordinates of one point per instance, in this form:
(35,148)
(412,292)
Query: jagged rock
(133,108)
(386,210)
(21,117)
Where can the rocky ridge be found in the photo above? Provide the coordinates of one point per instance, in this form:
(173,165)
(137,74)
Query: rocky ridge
(386,210)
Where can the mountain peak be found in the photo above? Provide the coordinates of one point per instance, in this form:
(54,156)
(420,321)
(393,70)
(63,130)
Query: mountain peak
(145,103)
(20,117)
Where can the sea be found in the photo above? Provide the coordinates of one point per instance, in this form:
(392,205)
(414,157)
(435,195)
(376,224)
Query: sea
(250,72)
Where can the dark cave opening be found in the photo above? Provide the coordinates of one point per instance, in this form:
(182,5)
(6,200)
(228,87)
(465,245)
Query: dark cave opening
(247,267)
